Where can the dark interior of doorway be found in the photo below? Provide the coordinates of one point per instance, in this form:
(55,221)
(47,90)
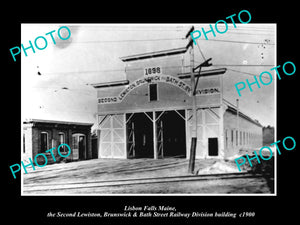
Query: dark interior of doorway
(140,131)
(81,147)
(213,146)
(78,146)
(174,137)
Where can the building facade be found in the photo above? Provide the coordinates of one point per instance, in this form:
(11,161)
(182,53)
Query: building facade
(149,114)
(41,135)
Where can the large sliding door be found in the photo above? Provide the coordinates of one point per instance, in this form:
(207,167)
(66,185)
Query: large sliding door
(112,136)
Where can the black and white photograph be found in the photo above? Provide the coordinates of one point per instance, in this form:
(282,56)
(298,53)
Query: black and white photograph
(148,109)
(184,114)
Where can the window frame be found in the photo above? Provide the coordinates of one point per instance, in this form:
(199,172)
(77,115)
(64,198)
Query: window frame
(149,92)
(62,148)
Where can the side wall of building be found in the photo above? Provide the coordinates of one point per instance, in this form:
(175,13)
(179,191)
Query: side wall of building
(27,142)
(247,136)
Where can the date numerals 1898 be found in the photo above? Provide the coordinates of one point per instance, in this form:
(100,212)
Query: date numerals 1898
(152,71)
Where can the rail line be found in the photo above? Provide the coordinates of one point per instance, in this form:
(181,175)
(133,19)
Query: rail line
(134,181)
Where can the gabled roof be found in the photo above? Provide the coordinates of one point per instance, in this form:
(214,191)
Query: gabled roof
(56,122)
(232,108)
(148,55)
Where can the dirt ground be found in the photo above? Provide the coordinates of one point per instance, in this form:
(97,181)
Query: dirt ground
(98,170)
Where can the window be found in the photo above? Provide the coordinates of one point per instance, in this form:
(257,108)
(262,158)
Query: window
(44,141)
(62,140)
(241,136)
(153,92)
(236,138)
(232,137)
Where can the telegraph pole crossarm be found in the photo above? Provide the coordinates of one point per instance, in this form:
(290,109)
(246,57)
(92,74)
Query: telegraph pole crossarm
(204,64)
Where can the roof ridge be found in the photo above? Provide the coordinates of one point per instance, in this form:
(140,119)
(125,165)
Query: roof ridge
(241,112)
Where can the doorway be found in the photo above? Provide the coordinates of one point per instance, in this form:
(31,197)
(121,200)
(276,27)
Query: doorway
(213,147)
(171,134)
(79,146)
(139,135)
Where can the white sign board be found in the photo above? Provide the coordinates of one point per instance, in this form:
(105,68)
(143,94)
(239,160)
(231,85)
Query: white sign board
(156,79)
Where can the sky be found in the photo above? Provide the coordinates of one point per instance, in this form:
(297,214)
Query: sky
(92,55)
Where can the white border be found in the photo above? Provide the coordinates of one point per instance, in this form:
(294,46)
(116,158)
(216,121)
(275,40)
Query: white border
(167,24)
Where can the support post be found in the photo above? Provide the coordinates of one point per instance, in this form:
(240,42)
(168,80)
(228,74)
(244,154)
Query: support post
(98,143)
(222,140)
(154,135)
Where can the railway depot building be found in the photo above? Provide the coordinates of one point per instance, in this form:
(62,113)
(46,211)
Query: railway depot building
(149,113)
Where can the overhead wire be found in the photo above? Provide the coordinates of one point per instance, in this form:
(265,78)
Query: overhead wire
(126,28)
(59,88)
(200,51)
(121,41)
(232,32)
(241,65)
(168,39)
(163,39)
(237,42)
(256,34)
(246,73)
(160,39)
(105,71)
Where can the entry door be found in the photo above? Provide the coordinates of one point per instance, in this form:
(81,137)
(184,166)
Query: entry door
(213,147)
(79,146)
(75,149)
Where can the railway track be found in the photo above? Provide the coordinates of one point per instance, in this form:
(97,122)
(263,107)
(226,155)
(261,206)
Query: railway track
(53,187)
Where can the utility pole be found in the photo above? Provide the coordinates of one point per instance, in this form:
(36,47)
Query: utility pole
(194,112)
(194,84)
(238,121)
(190,45)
